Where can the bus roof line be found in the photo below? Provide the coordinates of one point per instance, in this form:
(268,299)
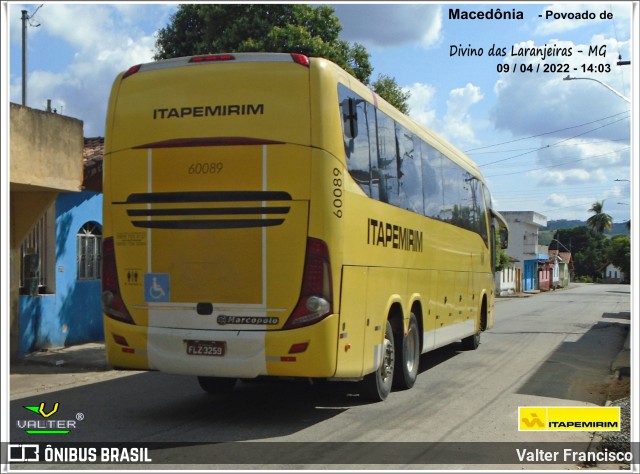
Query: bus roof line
(232,57)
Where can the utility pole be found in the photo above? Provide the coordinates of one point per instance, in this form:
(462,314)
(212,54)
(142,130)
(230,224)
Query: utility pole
(25,17)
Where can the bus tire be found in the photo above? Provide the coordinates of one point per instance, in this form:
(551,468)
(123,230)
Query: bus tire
(406,370)
(376,386)
(217,385)
(471,343)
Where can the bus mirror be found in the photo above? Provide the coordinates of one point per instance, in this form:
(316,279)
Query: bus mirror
(350,118)
(504,238)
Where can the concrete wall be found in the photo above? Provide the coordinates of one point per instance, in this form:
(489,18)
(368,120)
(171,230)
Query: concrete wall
(506,281)
(45,150)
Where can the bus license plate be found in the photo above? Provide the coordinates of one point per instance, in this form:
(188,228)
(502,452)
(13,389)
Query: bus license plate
(206,348)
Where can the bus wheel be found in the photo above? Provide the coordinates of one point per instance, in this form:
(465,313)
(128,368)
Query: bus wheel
(216,385)
(406,370)
(471,343)
(377,385)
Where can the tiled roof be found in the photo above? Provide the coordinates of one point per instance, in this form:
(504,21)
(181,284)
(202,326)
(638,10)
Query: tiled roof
(92,163)
(565,257)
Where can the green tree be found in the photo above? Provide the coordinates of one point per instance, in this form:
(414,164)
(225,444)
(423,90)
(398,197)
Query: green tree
(599,221)
(619,253)
(387,87)
(502,259)
(292,28)
(588,249)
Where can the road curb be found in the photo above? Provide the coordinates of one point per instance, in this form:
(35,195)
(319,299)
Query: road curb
(621,365)
(82,357)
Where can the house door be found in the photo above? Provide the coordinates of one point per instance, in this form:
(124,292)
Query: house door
(529,277)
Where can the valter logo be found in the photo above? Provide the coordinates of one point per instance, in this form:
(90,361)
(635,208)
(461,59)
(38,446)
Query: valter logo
(40,409)
(45,424)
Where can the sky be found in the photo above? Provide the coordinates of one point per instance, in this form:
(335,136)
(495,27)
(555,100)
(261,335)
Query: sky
(543,143)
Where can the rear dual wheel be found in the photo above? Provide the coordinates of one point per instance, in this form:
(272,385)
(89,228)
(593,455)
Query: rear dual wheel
(407,367)
(377,385)
(399,369)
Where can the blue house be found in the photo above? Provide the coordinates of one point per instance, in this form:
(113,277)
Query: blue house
(60,277)
(530,276)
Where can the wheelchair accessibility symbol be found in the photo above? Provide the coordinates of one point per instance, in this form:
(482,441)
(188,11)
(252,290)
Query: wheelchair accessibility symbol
(156,287)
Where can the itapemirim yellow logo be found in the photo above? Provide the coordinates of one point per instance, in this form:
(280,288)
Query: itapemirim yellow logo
(568,418)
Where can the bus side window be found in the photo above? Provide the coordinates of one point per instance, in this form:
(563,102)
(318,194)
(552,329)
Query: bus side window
(387,166)
(349,118)
(353,110)
(370,116)
(409,170)
(483,219)
(430,181)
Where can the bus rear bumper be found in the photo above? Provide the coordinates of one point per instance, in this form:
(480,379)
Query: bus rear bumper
(304,352)
(243,352)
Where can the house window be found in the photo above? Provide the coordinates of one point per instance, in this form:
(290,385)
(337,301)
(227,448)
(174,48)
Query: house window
(90,251)
(37,256)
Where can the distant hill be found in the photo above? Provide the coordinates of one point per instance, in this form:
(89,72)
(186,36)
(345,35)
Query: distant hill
(563,224)
(546,233)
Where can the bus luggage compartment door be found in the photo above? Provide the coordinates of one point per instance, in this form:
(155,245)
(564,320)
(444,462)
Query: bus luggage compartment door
(353,321)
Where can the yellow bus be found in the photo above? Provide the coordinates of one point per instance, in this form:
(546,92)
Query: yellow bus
(266,214)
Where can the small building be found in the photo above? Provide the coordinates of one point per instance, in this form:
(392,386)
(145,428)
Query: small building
(60,267)
(534,273)
(612,274)
(563,265)
(545,275)
(524,245)
(45,160)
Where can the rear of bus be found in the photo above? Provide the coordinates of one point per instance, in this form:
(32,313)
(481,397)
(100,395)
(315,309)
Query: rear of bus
(216,260)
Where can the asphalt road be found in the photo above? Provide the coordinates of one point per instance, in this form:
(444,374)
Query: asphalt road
(550,349)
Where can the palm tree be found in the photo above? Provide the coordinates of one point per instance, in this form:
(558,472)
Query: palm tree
(599,221)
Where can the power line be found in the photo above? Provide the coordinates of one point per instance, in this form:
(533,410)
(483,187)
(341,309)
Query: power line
(587,200)
(553,144)
(546,133)
(560,164)
(584,142)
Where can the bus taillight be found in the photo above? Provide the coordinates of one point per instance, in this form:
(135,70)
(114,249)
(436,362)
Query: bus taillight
(112,303)
(211,58)
(317,294)
(300,59)
(131,71)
